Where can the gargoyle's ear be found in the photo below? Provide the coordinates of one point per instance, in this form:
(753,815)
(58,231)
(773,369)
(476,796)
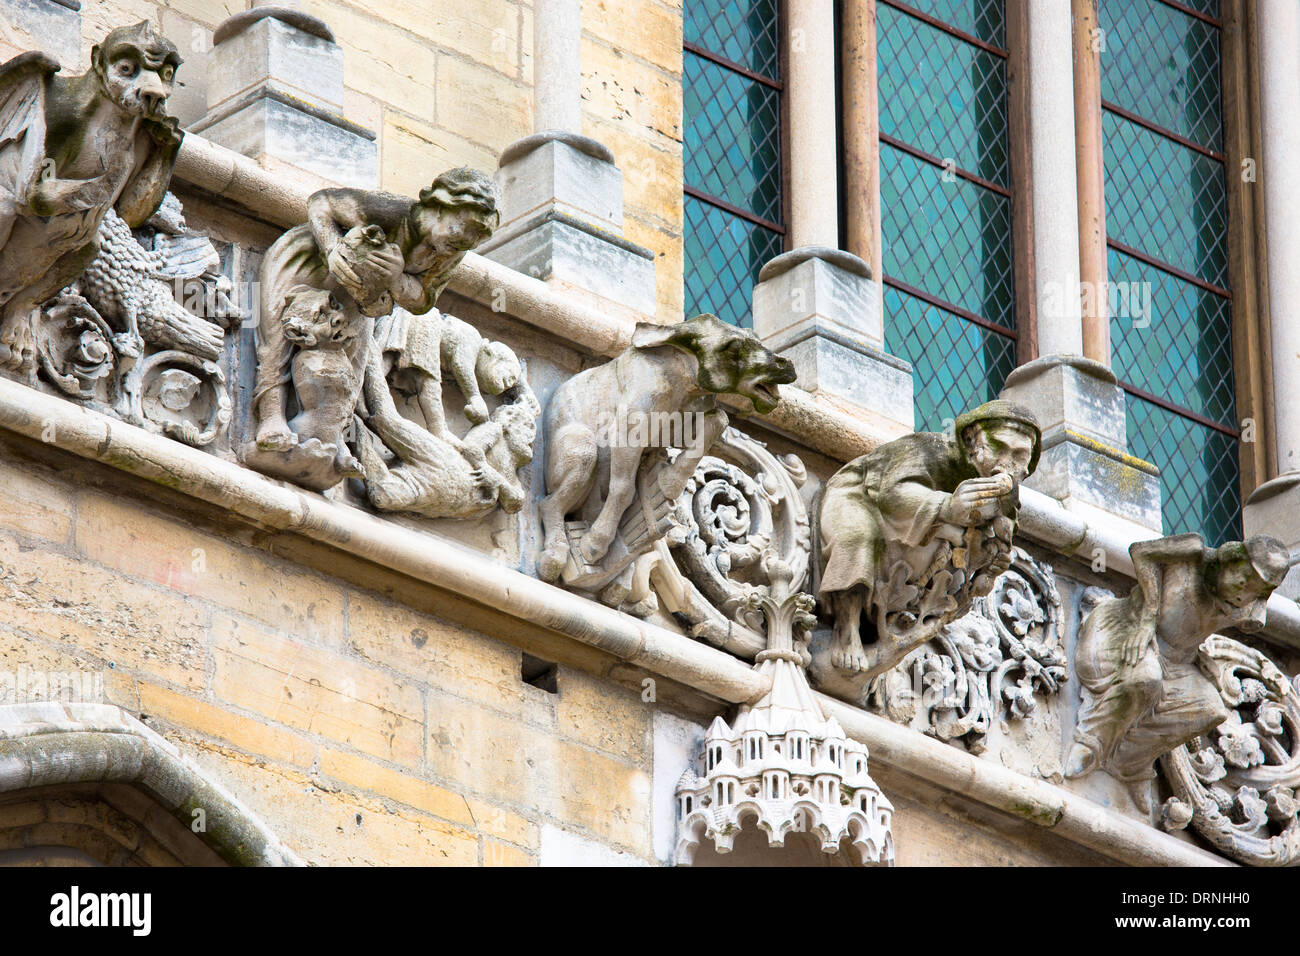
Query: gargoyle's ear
(649,335)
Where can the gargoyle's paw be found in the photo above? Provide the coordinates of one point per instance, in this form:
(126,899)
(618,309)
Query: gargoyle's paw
(1079,761)
(594,546)
(477,411)
(551,564)
(276,440)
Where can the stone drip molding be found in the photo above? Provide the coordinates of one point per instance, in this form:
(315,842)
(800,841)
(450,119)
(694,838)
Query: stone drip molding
(51,744)
(455,568)
(836,430)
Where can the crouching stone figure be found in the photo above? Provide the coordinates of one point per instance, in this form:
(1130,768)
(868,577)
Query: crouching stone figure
(1143,694)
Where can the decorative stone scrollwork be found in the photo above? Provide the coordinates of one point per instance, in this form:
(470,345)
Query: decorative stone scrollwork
(741,502)
(1237,784)
(784,764)
(997,659)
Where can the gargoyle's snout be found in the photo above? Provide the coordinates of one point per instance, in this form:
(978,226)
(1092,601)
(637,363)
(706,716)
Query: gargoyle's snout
(785,373)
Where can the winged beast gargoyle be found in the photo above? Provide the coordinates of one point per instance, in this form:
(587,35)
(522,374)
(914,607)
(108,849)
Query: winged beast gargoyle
(71,149)
(601,423)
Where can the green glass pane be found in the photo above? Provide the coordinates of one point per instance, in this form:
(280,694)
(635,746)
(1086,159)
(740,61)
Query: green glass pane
(1200,480)
(1163,65)
(1165,199)
(1172,339)
(731,145)
(942,95)
(723,255)
(950,239)
(742,31)
(982,19)
(956,364)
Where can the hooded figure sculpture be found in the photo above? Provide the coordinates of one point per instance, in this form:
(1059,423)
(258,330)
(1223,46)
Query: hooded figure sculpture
(912,532)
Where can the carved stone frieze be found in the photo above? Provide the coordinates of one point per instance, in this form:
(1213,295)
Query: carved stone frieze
(995,661)
(1236,785)
(1135,657)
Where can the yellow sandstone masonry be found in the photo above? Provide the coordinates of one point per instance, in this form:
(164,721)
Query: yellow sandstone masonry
(335,827)
(437,653)
(196,718)
(647,29)
(76,605)
(531,767)
(603,715)
(317,690)
(496,853)
(482,30)
(480,105)
(36,506)
(414,153)
(381,59)
(366,775)
(173,556)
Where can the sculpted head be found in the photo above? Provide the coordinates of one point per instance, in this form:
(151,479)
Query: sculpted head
(457,211)
(1243,574)
(314,318)
(731,359)
(136,67)
(1000,438)
(497,368)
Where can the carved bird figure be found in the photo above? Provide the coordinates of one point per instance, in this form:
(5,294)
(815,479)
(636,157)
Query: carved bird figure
(129,286)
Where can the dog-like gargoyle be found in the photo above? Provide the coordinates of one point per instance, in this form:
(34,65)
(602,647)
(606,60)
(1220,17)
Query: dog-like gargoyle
(661,392)
(72,148)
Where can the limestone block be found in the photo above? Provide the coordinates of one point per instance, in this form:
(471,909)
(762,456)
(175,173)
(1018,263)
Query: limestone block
(831,363)
(562,176)
(817,290)
(1274,508)
(271,51)
(272,126)
(1081,408)
(51,26)
(560,247)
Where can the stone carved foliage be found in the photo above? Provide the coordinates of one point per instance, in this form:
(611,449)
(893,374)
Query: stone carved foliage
(741,503)
(140,331)
(996,660)
(1237,785)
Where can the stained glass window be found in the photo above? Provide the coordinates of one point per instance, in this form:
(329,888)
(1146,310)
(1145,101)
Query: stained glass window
(731,146)
(945,200)
(1166,223)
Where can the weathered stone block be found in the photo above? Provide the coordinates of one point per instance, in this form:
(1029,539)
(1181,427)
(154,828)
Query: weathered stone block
(832,363)
(815,290)
(271,125)
(270,51)
(557,246)
(1274,508)
(51,26)
(557,175)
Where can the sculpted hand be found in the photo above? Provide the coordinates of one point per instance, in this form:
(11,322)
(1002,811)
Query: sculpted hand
(976,499)
(341,263)
(1136,642)
(165,130)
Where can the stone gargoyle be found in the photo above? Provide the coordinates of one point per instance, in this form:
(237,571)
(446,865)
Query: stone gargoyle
(362,253)
(1143,694)
(607,500)
(71,149)
(913,532)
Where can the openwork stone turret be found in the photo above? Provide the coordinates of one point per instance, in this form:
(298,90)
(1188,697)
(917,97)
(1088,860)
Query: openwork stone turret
(784,765)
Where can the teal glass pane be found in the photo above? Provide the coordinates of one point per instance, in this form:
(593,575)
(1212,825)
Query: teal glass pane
(982,19)
(1163,65)
(742,31)
(731,146)
(723,255)
(1200,479)
(1165,199)
(942,95)
(956,364)
(1172,339)
(950,239)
